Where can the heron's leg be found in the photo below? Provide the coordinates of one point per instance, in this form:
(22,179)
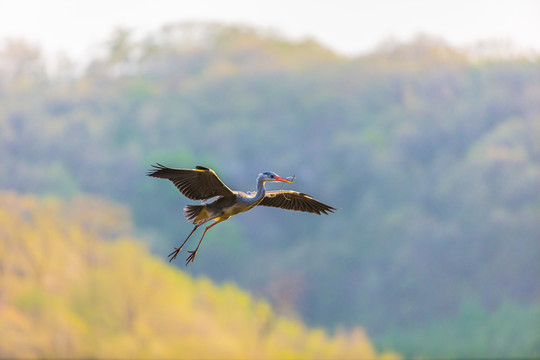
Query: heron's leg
(194,252)
(177,250)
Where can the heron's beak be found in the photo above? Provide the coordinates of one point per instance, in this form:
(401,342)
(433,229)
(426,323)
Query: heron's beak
(279,178)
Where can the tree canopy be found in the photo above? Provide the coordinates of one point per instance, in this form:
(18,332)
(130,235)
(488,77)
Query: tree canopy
(73,283)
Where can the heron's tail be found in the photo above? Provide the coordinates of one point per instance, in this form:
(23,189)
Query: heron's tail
(195,213)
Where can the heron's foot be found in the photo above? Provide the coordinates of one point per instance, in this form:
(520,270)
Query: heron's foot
(174,254)
(191,256)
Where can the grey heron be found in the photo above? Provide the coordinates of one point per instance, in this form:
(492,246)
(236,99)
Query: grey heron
(219,202)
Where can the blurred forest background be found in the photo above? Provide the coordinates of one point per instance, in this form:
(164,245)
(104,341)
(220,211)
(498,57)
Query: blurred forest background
(431,154)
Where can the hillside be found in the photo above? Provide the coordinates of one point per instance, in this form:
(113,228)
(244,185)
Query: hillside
(432,158)
(74,284)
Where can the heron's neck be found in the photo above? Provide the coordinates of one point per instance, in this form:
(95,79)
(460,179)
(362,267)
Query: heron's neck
(261,191)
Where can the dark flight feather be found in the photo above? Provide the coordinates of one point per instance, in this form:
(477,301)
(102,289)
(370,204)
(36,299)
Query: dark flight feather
(196,184)
(293,200)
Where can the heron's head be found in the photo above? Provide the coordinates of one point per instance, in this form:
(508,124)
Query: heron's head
(272,176)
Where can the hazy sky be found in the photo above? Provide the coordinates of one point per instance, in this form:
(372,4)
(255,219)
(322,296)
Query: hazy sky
(349,27)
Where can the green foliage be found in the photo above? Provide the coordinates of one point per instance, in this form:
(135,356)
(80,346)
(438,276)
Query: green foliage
(474,332)
(93,298)
(432,158)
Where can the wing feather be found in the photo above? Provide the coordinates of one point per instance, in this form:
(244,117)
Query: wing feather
(293,200)
(196,184)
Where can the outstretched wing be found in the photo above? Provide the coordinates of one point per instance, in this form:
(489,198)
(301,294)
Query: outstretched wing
(196,184)
(293,200)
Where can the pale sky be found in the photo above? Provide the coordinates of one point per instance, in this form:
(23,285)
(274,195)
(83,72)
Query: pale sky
(348,27)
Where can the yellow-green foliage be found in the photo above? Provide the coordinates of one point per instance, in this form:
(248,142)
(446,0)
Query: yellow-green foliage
(67,292)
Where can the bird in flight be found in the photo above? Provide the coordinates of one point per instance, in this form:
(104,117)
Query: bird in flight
(219,202)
